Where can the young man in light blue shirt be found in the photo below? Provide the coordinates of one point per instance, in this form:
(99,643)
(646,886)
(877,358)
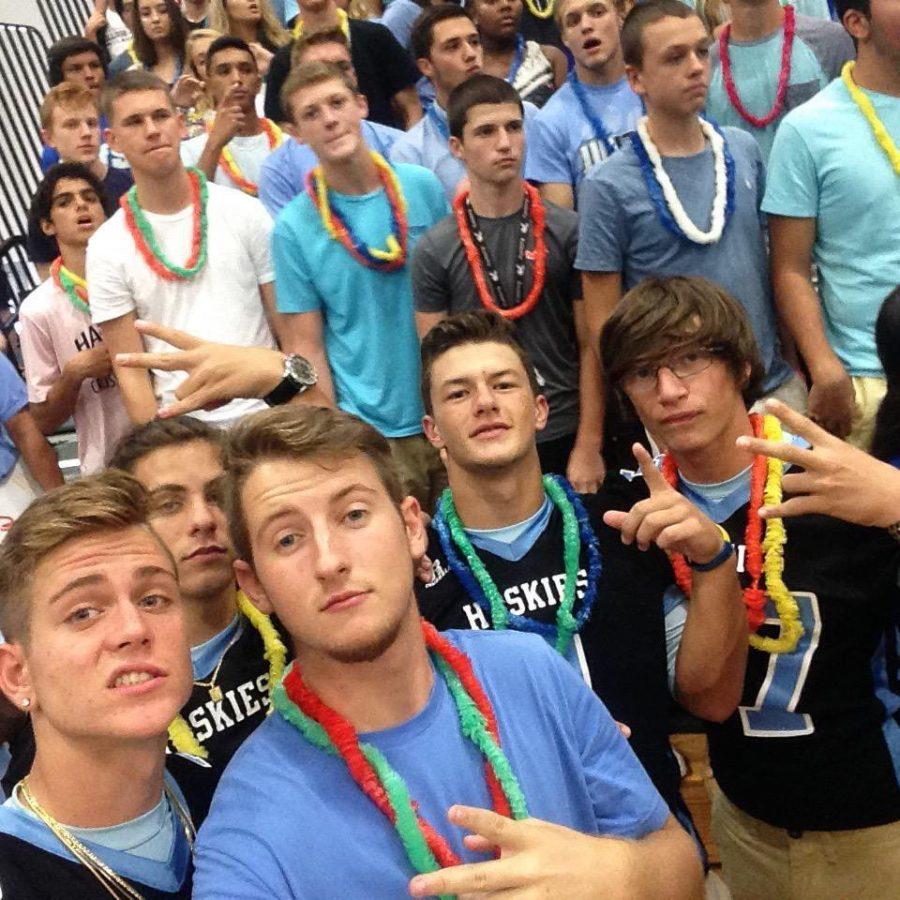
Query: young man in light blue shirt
(705,224)
(833,198)
(347,310)
(588,117)
(284,171)
(755,46)
(334,543)
(446,47)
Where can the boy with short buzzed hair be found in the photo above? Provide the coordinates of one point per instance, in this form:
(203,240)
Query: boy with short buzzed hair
(681,197)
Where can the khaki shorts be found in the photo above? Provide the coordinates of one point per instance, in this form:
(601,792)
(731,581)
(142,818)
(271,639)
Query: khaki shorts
(760,862)
(868,391)
(421,471)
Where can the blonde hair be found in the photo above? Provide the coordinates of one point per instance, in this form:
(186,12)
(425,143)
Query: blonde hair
(302,432)
(269,28)
(309,74)
(198,34)
(100,503)
(65,94)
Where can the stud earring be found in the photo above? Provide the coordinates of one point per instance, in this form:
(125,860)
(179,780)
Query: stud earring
(26,703)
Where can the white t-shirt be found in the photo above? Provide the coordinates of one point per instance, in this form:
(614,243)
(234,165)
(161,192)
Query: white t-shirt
(52,331)
(221,303)
(249,153)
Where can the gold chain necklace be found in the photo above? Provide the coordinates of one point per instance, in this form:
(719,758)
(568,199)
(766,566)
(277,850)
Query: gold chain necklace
(215,692)
(114,884)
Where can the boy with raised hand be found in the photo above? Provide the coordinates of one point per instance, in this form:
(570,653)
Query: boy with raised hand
(376,697)
(96,654)
(809,802)
(514,550)
(67,366)
(587,118)
(239,141)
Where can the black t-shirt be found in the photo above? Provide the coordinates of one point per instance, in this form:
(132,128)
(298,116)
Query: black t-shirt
(623,640)
(383,69)
(28,872)
(221,727)
(824,764)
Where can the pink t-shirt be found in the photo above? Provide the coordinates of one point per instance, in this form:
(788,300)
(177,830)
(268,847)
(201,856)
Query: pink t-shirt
(52,331)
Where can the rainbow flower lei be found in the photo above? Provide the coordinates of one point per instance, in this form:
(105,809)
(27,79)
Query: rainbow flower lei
(274,652)
(144,240)
(479,585)
(662,192)
(74,286)
(228,164)
(327,730)
(868,110)
(393,257)
(763,558)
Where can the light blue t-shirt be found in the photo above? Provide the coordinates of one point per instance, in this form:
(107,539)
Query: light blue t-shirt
(820,49)
(151,849)
(827,165)
(284,170)
(13,399)
(563,145)
(399,17)
(368,326)
(427,144)
(620,231)
(278,826)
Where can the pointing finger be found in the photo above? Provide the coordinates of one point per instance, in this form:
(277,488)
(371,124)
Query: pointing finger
(655,479)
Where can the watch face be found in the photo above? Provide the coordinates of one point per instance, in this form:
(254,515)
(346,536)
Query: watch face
(300,370)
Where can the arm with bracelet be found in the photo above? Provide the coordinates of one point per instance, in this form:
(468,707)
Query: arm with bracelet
(712,656)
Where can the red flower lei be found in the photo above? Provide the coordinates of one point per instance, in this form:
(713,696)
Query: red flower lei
(475,263)
(343,735)
(783,75)
(754,595)
(142,232)
(229,166)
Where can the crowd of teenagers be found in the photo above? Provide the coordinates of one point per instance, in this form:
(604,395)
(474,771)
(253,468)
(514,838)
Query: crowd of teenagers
(459,391)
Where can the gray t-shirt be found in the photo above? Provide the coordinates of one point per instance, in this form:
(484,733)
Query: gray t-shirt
(443,283)
(620,231)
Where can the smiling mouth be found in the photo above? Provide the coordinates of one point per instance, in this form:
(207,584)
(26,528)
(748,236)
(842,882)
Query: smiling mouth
(136,677)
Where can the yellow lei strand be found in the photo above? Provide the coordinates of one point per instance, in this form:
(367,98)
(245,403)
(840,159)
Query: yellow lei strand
(868,110)
(343,24)
(540,12)
(276,138)
(773,561)
(393,250)
(274,652)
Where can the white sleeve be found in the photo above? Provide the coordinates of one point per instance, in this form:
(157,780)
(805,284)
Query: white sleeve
(107,252)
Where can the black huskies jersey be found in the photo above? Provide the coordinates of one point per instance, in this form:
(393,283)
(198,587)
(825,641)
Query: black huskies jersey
(622,645)
(809,749)
(221,726)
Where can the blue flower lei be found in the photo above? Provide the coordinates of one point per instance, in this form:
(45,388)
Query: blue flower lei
(595,121)
(656,195)
(472,574)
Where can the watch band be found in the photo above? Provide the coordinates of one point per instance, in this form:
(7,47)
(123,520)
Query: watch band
(721,557)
